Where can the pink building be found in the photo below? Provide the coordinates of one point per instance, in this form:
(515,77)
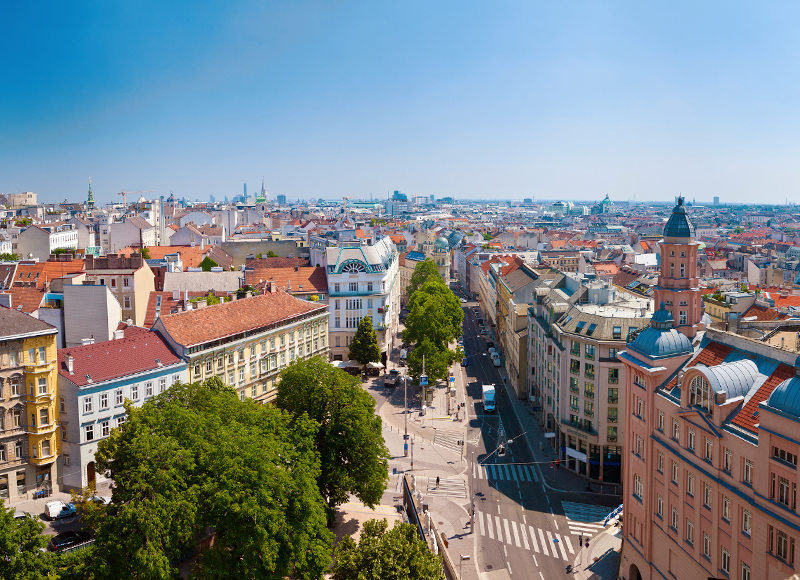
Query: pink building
(710,468)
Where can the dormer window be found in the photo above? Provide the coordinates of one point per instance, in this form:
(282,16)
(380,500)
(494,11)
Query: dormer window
(700,393)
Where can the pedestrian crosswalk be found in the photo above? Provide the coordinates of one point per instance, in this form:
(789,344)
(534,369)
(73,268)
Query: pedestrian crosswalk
(530,538)
(584,518)
(448,487)
(449,438)
(520,472)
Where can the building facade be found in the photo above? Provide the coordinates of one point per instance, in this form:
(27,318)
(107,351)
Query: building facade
(29,411)
(247,342)
(130,280)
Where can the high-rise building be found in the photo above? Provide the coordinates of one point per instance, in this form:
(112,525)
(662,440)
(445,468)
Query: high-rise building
(212,199)
(281,199)
(716,200)
(245,191)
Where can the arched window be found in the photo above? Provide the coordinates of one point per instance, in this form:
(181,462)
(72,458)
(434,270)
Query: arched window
(353,267)
(700,393)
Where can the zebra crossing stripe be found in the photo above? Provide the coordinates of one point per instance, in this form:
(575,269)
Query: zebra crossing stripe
(508,477)
(514,472)
(489,523)
(508,532)
(524,536)
(499,529)
(533,539)
(533,472)
(516,535)
(569,544)
(480,520)
(524,470)
(561,546)
(544,542)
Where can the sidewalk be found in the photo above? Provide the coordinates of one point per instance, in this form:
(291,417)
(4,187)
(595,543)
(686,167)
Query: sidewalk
(601,560)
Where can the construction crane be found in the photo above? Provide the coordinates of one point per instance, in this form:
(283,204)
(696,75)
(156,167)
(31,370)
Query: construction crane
(345,201)
(124,193)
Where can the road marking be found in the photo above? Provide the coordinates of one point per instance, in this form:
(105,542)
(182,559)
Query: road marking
(516,534)
(561,546)
(533,472)
(533,539)
(548,499)
(508,532)
(489,523)
(551,512)
(535,563)
(544,542)
(555,523)
(480,521)
(498,506)
(523,519)
(505,552)
(513,472)
(540,574)
(524,470)
(569,544)
(499,529)
(524,536)
(552,544)
(508,477)
(509,568)
(520,495)
(490,471)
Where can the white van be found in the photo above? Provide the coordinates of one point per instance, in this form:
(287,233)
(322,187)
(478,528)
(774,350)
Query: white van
(58,509)
(495,359)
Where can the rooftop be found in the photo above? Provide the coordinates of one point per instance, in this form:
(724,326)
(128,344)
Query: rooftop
(14,324)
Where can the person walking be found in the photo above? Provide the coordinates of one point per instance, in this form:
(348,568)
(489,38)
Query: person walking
(437,482)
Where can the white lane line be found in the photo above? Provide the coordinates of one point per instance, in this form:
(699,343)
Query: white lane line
(508,531)
(540,574)
(544,542)
(535,563)
(516,534)
(561,546)
(524,536)
(509,568)
(555,523)
(498,506)
(489,523)
(551,512)
(533,539)
(548,500)
(499,529)
(505,552)
(513,472)
(524,521)
(480,521)
(569,544)
(525,472)
(520,495)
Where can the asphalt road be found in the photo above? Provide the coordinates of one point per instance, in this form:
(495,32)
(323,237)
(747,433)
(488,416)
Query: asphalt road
(517,519)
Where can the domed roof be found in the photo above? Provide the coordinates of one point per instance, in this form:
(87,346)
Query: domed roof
(679,225)
(441,244)
(734,378)
(786,396)
(661,340)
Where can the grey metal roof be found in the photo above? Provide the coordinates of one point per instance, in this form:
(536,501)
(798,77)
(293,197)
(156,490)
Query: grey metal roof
(679,225)
(786,396)
(662,343)
(734,378)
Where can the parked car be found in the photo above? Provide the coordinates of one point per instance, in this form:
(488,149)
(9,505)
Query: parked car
(492,351)
(67,540)
(58,509)
(489,345)
(21,515)
(496,361)
(463,301)
(483,332)
(464,362)
(101,499)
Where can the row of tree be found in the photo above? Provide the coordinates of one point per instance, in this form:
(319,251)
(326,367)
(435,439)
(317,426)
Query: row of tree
(433,324)
(264,481)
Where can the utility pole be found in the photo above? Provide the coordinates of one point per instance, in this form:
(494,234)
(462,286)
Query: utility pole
(405,413)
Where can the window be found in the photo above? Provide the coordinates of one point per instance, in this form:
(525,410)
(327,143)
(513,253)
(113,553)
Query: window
(18,449)
(241,375)
(126,302)
(638,449)
(575,367)
(16,418)
(675,429)
(612,434)
(575,348)
(197,370)
(613,376)
(2,452)
(105,429)
(31,356)
(89,432)
(231,377)
(674,472)
(162,384)
(613,395)
(746,522)
(12,359)
(589,351)
(637,486)
(103,400)
(748,471)
(660,462)
(690,441)
(726,464)
(707,495)
(660,506)
(682,318)
(783,455)
(42,354)
(745,571)
(612,414)
(573,402)
(589,390)
(683,270)
(113,282)
(253,392)
(46,448)
(689,531)
(700,393)
(783,550)
(148,389)
(118,400)
(87,404)
(674,518)
(690,483)
(617,333)
(672,269)
(709,450)
(135,392)
(15,387)
(639,407)
(44,417)
(65,458)
(126,282)
(43,386)
(661,421)
(706,545)
(588,408)
(639,380)
(612,352)
(589,373)
(726,508)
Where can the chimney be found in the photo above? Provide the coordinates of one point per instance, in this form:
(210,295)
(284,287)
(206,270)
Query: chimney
(69,359)
(89,264)
(85,341)
(200,304)
(129,322)
(176,295)
(119,334)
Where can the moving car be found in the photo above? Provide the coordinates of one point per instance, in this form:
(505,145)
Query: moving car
(67,540)
(392,378)
(21,515)
(487,397)
(463,301)
(483,331)
(58,509)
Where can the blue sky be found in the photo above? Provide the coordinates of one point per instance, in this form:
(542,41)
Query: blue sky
(552,100)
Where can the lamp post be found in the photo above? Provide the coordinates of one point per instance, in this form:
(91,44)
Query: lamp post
(405,413)
(472,496)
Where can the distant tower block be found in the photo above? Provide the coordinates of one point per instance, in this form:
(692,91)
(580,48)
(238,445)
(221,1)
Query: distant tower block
(245,191)
(716,200)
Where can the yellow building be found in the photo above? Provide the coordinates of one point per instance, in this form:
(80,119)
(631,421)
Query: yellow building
(29,405)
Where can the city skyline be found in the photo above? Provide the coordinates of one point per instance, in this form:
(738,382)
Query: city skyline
(464,100)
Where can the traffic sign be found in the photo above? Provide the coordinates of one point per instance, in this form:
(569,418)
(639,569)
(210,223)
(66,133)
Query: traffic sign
(423,380)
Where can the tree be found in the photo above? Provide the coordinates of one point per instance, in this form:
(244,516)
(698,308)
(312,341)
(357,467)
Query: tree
(20,543)
(9,258)
(422,272)
(196,458)
(436,361)
(354,457)
(364,346)
(145,252)
(396,554)
(271,254)
(434,313)
(487,237)
(207,264)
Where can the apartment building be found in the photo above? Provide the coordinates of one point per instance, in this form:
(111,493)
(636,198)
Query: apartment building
(363,281)
(29,412)
(130,279)
(94,380)
(40,241)
(247,342)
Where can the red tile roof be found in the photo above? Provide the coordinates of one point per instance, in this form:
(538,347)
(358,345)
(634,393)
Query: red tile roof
(191,256)
(294,280)
(226,319)
(112,359)
(261,263)
(712,354)
(168,304)
(747,418)
(763,313)
(32,279)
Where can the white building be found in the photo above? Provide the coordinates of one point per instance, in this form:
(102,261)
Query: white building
(42,240)
(362,281)
(132,232)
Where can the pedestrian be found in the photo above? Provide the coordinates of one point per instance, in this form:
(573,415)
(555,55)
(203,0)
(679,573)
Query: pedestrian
(437,481)
(580,540)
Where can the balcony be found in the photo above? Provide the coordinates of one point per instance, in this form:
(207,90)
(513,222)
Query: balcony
(589,375)
(613,400)
(612,439)
(575,352)
(588,394)
(612,419)
(574,390)
(613,381)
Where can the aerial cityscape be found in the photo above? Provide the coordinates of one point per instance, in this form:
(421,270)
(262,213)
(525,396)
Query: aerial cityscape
(376,292)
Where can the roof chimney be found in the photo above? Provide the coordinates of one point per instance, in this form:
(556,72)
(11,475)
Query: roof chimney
(119,334)
(69,359)
(129,322)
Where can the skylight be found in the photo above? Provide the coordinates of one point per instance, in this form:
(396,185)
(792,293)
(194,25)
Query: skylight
(591,329)
(580,326)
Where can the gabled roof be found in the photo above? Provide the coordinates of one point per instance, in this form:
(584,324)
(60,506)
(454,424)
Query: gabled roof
(261,263)
(764,313)
(31,279)
(14,323)
(139,351)
(226,319)
(305,280)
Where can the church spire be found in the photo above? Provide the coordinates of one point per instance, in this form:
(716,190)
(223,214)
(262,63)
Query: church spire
(90,199)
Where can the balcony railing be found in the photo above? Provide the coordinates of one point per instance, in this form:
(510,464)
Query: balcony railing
(613,381)
(613,400)
(575,351)
(588,413)
(588,394)
(574,390)
(612,419)
(589,375)
(575,371)
(612,439)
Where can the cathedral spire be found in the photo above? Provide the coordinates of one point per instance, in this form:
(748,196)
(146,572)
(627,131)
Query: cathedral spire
(90,199)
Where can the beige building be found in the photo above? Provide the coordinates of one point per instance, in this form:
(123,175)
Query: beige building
(25,198)
(130,280)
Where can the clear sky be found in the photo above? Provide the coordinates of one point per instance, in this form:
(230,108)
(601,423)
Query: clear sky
(487,99)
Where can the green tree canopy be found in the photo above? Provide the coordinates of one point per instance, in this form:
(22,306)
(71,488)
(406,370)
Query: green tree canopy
(271,254)
(196,458)
(9,258)
(436,361)
(487,237)
(383,554)
(145,252)
(207,264)
(354,457)
(364,346)
(434,313)
(20,541)
(423,271)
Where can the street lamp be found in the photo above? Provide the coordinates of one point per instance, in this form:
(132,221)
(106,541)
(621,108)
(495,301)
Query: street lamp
(405,413)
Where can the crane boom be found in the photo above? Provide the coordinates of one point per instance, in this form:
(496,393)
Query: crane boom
(124,194)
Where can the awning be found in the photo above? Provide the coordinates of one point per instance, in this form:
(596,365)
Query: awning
(576,454)
(549,435)
(375,365)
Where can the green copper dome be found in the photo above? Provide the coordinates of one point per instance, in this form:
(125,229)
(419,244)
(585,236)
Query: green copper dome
(679,225)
